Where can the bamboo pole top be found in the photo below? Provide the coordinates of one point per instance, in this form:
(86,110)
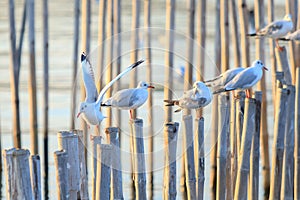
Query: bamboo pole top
(199,119)
(77,132)
(61,152)
(136,121)
(250,100)
(171,126)
(187,117)
(15,152)
(111,130)
(66,134)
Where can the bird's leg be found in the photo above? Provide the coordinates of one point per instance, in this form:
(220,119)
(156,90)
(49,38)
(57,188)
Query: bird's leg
(248,93)
(130,113)
(277,45)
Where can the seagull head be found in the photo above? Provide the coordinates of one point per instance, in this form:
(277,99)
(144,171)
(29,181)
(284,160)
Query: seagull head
(287,17)
(145,85)
(198,85)
(82,108)
(260,64)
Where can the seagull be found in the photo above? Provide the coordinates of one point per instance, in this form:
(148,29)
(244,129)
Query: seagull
(245,79)
(276,29)
(295,36)
(224,78)
(129,99)
(90,109)
(195,98)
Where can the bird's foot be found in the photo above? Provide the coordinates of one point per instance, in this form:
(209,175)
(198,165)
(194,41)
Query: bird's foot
(280,48)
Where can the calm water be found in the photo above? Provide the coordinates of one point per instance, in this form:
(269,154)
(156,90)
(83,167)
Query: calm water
(60,72)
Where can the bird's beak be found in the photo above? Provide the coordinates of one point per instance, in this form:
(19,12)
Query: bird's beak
(152,87)
(78,114)
(266,69)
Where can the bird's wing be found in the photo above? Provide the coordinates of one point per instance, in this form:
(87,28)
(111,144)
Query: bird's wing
(243,79)
(88,80)
(293,36)
(213,82)
(230,74)
(271,28)
(104,90)
(122,98)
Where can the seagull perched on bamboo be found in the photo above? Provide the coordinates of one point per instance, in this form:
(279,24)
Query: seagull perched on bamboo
(276,29)
(129,99)
(90,109)
(245,79)
(195,98)
(224,78)
(295,36)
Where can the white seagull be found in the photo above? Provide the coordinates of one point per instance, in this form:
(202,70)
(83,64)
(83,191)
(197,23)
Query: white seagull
(276,29)
(295,36)
(195,98)
(129,99)
(90,109)
(224,78)
(245,79)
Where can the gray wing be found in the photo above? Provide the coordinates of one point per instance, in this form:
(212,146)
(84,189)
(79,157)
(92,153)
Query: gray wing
(122,98)
(271,28)
(89,81)
(241,80)
(230,74)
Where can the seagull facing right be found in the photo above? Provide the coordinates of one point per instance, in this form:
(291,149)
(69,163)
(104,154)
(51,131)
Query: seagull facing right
(276,29)
(224,78)
(245,79)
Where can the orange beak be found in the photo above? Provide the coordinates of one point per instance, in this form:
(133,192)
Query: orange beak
(152,87)
(78,114)
(266,69)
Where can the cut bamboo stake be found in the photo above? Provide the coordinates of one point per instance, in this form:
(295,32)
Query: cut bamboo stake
(278,144)
(83,183)
(46,98)
(297,137)
(170,146)
(253,193)
(244,162)
(32,79)
(283,65)
(104,157)
(201,158)
(224,24)
(62,181)
(113,138)
(75,61)
(69,141)
(223,127)
(240,108)
(95,140)
(243,16)
(287,183)
(17,173)
(233,143)
(35,173)
(235,33)
(188,144)
(139,159)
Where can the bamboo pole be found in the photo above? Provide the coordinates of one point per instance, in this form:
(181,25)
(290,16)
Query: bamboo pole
(254,156)
(283,65)
(170,146)
(244,162)
(75,61)
(240,111)
(95,140)
(113,138)
(104,158)
(223,129)
(46,97)
(188,146)
(235,33)
(35,173)
(243,17)
(32,80)
(17,173)
(297,137)
(297,46)
(147,24)
(69,141)
(233,143)
(169,56)
(278,144)
(287,183)
(62,182)
(224,24)
(201,158)
(201,36)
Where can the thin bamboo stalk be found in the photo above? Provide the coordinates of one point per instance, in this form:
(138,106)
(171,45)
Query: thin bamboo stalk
(224,24)
(21,37)
(243,16)
(283,65)
(223,127)
(62,181)
(35,173)
(32,80)
(235,33)
(244,162)
(233,144)
(278,144)
(95,140)
(240,111)
(201,36)
(297,137)
(201,158)
(297,46)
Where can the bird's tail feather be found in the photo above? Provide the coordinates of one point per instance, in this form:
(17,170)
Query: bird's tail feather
(284,39)
(219,91)
(171,102)
(105,105)
(212,82)
(252,34)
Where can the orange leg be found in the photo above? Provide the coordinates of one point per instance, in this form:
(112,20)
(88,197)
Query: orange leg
(130,114)
(277,45)
(248,95)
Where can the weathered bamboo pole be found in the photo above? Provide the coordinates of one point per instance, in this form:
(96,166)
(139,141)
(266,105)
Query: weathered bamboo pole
(46,97)
(134,43)
(240,111)
(170,146)
(287,183)
(278,144)
(224,24)
(297,137)
(254,156)
(35,173)
(113,138)
(95,140)
(139,159)
(17,173)
(62,181)
(223,129)
(188,147)
(32,79)
(244,162)
(83,183)
(283,65)
(14,76)
(104,158)
(243,17)
(201,158)
(297,46)
(169,56)
(21,37)
(235,33)
(69,141)
(233,143)
(75,61)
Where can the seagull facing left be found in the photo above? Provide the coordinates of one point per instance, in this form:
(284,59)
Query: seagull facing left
(90,109)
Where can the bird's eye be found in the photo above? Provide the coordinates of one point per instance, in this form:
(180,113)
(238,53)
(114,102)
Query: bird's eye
(85,106)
